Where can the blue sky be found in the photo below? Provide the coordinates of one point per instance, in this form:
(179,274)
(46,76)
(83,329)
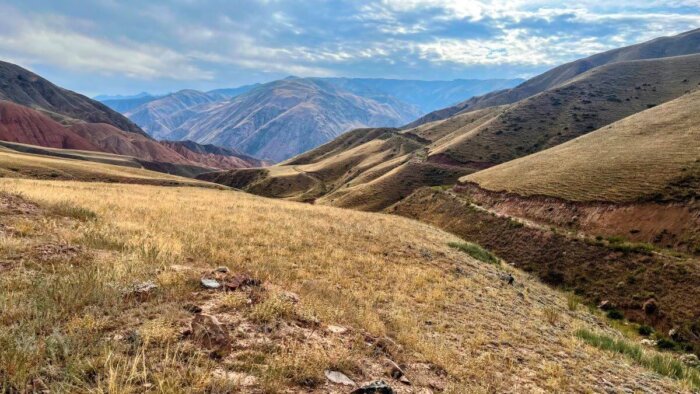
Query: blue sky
(122,47)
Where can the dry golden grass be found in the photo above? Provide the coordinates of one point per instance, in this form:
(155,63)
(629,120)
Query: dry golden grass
(452,320)
(637,157)
(592,100)
(26,165)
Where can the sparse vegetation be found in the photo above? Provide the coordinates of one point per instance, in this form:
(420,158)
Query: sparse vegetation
(645,330)
(618,244)
(67,209)
(572,302)
(71,327)
(663,364)
(476,251)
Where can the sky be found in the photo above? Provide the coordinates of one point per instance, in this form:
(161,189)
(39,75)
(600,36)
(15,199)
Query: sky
(125,47)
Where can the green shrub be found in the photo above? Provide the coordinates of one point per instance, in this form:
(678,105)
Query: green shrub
(618,244)
(516,224)
(615,314)
(665,343)
(616,240)
(645,330)
(476,252)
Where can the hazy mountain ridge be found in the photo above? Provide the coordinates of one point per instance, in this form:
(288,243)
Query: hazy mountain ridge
(426,95)
(32,107)
(333,105)
(162,116)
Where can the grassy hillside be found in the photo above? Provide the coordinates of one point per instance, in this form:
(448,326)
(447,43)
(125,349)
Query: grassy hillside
(682,44)
(367,169)
(27,161)
(627,275)
(371,169)
(74,256)
(654,154)
(592,100)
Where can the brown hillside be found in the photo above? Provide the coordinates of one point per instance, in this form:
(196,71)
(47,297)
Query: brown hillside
(596,270)
(654,154)
(26,88)
(213,156)
(21,124)
(592,100)
(112,140)
(33,162)
(681,44)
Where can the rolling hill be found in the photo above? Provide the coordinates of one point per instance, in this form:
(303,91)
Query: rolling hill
(20,161)
(681,44)
(638,178)
(120,279)
(372,169)
(592,100)
(652,155)
(214,156)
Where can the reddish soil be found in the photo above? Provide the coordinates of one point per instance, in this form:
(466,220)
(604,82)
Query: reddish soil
(674,225)
(27,126)
(213,160)
(112,140)
(594,271)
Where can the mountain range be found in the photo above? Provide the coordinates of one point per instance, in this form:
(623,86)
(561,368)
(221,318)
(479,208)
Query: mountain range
(35,111)
(283,118)
(544,237)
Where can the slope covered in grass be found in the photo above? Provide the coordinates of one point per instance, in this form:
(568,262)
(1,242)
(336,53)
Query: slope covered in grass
(654,154)
(682,44)
(27,161)
(371,169)
(73,252)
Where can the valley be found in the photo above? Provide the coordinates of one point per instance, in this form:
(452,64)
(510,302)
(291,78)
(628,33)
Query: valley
(361,235)
(284,118)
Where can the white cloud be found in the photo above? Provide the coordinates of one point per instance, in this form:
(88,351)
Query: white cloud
(514,47)
(51,41)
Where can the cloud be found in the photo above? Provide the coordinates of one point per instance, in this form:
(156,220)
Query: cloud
(51,41)
(514,47)
(226,42)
